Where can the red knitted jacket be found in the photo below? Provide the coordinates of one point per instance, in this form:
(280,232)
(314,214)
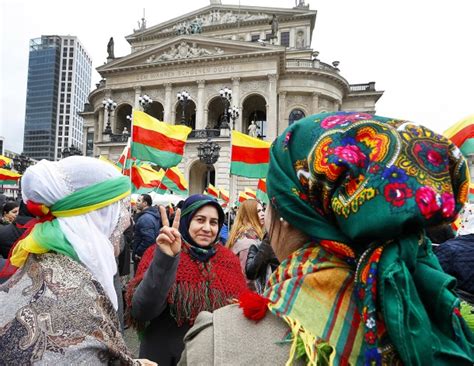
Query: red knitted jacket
(199,286)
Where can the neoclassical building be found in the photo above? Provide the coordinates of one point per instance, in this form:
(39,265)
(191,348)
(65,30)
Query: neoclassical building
(262,54)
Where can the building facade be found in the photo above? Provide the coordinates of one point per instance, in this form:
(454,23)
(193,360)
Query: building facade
(59,80)
(262,54)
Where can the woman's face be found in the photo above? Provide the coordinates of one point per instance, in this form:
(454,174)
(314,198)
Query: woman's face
(11,215)
(204,226)
(261,214)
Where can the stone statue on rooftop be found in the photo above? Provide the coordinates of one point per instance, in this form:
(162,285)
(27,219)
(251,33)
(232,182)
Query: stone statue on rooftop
(110,48)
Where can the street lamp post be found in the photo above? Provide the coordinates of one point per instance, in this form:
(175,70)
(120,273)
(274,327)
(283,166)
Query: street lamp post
(145,102)
(234,114)
(226,97)
(110,106)
(70,151)
(208,153)
(183,98)
(21,163)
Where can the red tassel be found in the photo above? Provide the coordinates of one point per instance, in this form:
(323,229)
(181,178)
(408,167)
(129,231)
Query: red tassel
(254,306)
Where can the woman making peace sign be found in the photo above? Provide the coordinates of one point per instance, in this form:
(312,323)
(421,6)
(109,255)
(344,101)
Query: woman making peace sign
(189,273)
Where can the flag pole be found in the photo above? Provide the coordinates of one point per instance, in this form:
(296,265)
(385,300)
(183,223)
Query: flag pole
(129,151)
(231,185)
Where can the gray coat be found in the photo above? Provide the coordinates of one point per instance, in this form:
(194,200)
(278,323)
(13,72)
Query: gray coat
(226,337)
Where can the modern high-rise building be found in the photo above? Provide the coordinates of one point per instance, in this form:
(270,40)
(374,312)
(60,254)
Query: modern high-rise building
(59,81)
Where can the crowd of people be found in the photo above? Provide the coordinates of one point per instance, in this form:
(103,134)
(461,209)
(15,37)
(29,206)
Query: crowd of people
(342,266)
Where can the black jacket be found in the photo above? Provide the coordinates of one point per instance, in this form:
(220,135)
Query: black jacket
(261,261)
(162,340)
(10,233)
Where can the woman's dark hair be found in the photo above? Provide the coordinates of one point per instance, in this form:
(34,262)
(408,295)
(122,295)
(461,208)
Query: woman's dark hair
(9,206)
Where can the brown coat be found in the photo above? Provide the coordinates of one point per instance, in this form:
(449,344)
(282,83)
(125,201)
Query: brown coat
(226,337)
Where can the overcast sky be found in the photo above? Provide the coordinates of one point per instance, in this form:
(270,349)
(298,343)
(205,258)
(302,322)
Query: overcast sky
(419,52)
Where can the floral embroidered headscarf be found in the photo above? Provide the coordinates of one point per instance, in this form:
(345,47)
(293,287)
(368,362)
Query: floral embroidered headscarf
(374,184)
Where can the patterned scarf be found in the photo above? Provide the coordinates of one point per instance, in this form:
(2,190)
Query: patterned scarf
(334,318)
(368,186)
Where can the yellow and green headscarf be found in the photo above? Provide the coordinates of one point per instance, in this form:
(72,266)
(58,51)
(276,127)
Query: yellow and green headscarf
(47,235)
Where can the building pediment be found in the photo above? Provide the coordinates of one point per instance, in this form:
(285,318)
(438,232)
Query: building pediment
(215,17)
(189,48)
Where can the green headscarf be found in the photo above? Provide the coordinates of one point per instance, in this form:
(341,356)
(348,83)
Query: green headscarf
(375,184)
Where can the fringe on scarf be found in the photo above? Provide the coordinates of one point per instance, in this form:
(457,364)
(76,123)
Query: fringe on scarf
(304,345)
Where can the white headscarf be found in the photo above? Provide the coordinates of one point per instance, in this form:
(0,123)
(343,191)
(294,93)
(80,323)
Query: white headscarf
(47,182)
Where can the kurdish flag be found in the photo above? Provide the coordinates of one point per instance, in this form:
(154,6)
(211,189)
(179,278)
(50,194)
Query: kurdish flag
(125,160)
(8,177)
(145,179)
(462,135)
(175,181)
(5,162)
(224,195)
(262,190)
(250,156)
(243,197)
(212,191)
(250,193)
(156,141)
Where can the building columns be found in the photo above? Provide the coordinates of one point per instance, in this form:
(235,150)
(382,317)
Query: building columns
(315,104)
(168,104)
(200,122)
(206,117)
(272,115)
(282,113)
(236,102)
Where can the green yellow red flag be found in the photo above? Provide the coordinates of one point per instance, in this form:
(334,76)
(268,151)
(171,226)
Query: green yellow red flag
(5,162)
(250,156)
(262,190)
(145,179)
(175,181)
(250,193)
(224,195)
(157,142)
(462,135)
(125,160)
(8,177)
(212,191)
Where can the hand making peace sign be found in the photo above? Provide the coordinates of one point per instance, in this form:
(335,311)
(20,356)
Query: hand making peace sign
(169,239)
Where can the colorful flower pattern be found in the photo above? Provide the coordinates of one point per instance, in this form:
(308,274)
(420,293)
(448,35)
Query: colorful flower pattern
(343,119)
(427,201)
(397,193)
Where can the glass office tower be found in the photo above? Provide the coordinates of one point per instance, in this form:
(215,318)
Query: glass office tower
(59,79)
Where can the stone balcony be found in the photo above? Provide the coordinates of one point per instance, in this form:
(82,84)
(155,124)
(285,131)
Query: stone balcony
(292,64)
(367,87)
(204,134)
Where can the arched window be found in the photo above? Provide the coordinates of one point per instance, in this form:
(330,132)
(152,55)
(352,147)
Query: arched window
(295,115)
